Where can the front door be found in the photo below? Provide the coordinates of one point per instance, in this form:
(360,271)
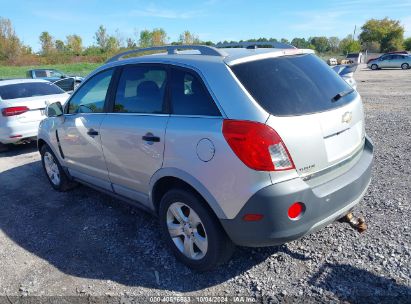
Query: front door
(79,134)
(386,62)
(133,134)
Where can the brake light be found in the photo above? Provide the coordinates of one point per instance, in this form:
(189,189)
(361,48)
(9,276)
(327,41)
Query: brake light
(257,145)
(14,111)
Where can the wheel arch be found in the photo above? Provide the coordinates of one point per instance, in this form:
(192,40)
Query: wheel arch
(41,142)
(168,178)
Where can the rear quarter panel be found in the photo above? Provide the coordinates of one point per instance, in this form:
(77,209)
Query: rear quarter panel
(225,177)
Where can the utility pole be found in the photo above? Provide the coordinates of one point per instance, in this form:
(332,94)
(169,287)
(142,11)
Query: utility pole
(353,36)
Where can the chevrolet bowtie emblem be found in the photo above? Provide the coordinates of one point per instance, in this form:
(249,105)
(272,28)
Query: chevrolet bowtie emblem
(347,116)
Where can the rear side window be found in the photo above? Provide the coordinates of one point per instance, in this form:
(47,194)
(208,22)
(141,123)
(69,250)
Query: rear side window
(90,97)
(28,89)
(66,84)
(40,74)
(293,85)
(141,89)
(189,95)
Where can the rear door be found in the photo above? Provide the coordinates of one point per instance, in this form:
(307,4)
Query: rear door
(79,134)
(133,133)
(318,115)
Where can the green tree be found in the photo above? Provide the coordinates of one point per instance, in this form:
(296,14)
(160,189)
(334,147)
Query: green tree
(60,46)
(112,44)
(74,44)
(10,45)
(101,37)
(159,37)
(131,43)
(146,38)
(407,44)
(320,44)
(349,45)
(284,40)
(188,38)
(301,43)
(47,43)
(334,43)
(388,33)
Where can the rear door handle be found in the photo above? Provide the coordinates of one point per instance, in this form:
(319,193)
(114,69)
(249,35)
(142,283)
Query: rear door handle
(150,137)
(92,132)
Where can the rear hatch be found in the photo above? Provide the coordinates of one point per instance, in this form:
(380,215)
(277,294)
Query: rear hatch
(29,100)
(317,114)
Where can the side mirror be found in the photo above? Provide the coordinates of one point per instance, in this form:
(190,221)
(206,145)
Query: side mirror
(54,109)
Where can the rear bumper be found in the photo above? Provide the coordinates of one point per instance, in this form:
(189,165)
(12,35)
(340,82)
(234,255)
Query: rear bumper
(11,134)
(324,204)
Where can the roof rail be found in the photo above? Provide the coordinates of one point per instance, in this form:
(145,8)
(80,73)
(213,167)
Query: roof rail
(255,45)
(172,49)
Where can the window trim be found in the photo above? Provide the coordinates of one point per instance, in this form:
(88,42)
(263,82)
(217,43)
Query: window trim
(119,71)
(67,105)
(168,66)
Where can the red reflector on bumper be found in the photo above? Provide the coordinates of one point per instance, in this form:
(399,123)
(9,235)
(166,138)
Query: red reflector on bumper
(295,210)
(252,217)
(16,136)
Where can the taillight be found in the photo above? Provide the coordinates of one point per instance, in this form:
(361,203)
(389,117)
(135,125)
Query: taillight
(257,145)
(14,111)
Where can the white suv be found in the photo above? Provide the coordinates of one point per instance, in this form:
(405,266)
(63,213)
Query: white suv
(253,147)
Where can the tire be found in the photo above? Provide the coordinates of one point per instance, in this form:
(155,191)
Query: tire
(374,67)
(54,172)
(405,66)
(201,227)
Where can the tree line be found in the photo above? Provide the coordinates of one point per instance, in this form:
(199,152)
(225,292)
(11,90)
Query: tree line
(376,36)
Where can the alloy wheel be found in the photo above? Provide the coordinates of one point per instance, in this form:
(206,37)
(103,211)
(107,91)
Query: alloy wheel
(187,231)
(52,169)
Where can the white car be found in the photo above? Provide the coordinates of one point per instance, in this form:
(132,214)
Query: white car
(22,104)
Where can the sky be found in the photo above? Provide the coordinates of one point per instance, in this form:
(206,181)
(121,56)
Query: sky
(214,20)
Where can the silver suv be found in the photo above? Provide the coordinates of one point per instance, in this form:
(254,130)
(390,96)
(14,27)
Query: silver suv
(254,147)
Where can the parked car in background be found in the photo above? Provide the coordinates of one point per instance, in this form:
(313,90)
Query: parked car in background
(56,77)
(356,58)
(346,71)
(402,61)
(67,84)
(388,53)
(22,105)
(254,147)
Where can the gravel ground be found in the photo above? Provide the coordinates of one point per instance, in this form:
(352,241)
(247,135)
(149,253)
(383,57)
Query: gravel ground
(84,243)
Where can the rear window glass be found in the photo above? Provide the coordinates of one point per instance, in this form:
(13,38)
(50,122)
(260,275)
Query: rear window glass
(293,85)
(28,89)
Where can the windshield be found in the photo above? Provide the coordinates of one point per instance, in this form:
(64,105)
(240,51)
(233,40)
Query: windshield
(293,85)
(28,89)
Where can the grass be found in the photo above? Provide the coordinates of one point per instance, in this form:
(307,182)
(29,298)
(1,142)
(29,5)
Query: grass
(78,69)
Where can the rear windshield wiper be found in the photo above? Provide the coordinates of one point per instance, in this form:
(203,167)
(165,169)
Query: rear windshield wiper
(341,94)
